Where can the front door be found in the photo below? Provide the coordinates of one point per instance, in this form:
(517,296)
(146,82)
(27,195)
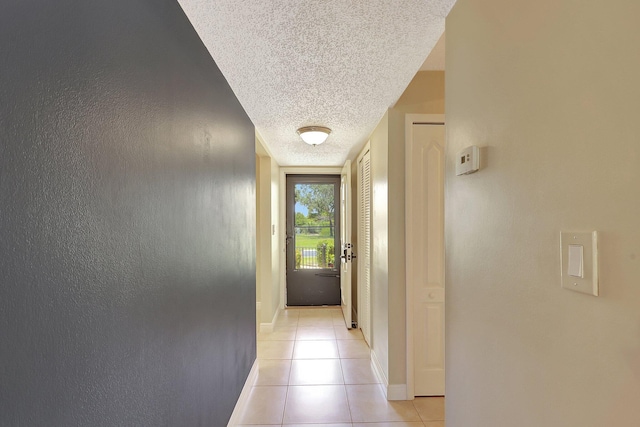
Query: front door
(313,245)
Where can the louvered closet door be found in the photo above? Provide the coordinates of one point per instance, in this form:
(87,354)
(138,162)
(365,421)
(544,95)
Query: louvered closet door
(364,245)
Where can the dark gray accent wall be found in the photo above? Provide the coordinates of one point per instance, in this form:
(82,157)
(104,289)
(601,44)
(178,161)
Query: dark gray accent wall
(127,219)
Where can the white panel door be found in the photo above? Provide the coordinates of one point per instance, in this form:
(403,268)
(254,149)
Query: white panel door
(346,253)
(426,256)
(364,245)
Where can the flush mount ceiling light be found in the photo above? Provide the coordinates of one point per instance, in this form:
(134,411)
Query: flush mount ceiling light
(314,135)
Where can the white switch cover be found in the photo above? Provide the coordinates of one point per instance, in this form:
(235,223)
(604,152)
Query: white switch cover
(576,261)
(579,260)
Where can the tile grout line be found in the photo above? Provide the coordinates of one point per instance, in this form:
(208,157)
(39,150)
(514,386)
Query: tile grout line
(346,394)
(340,359)
(286,395)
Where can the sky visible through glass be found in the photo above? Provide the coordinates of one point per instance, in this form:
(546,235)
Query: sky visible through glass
(302,209)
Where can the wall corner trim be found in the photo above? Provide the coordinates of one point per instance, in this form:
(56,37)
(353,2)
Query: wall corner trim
(397,392)
(243,399)
(391,391)
(267,328)
(377,369)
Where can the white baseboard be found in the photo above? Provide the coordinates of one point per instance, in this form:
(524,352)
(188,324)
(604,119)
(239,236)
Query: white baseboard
(391,391)
(397,392)
(268,327)
(244,396)
(377,369)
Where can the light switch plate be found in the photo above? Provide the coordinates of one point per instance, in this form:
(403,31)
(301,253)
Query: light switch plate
(588,241)
(576,261)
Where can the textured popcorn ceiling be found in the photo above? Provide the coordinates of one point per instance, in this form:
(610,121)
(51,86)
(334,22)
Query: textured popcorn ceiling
(333,63)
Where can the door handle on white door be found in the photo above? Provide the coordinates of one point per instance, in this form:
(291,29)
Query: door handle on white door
(345,256)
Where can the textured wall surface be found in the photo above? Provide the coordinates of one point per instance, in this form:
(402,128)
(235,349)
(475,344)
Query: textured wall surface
(550,90)
(127,219)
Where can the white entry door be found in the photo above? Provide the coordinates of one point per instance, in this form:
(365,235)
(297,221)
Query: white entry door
(346,254)
(425,254)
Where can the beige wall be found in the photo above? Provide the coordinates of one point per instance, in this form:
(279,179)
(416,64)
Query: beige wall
(397,260)
(425,94)
(263,247)
(268,248)
(258,238)
(257,231)
(550,89)
(379,146)
(276,241)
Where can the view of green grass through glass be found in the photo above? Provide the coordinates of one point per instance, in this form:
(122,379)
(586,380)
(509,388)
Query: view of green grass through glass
(314,226)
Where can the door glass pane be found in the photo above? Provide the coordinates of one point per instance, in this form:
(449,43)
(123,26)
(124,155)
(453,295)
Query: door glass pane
(314,225)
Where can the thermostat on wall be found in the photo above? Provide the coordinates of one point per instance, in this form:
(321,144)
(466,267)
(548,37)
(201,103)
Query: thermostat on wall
(468,160)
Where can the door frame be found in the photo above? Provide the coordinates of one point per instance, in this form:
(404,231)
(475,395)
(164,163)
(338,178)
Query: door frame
(346,244)
(410,120)
(306,284)
(282,235)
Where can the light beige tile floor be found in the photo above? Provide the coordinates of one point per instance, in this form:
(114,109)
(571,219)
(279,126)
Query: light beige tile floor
(314,372)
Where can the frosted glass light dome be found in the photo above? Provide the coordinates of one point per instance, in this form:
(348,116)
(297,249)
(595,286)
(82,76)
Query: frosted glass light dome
(314,135)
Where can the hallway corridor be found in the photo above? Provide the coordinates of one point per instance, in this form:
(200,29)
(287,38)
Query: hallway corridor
(315,372)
